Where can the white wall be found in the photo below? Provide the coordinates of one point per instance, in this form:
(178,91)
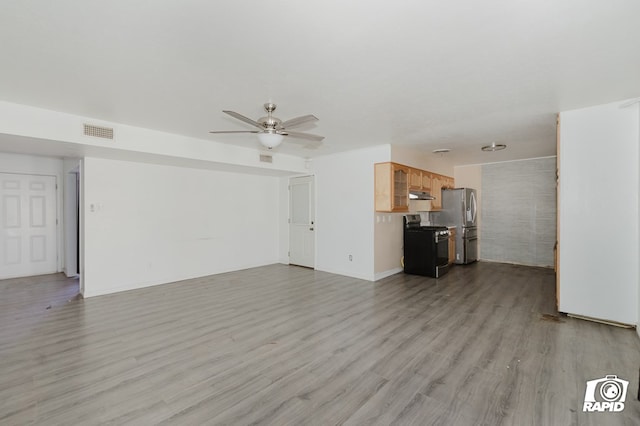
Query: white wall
(31,164)
(147,224)
(389,243)
(345,211)
(599,212)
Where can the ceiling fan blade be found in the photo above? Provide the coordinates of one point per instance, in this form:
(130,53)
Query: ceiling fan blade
(298,121)
(243,118)
(235,131)
(301,135)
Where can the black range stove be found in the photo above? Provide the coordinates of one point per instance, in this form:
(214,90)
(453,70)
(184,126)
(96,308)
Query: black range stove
(426,248)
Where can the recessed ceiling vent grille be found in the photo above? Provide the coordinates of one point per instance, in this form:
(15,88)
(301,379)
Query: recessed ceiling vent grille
(266,158)
(98,132)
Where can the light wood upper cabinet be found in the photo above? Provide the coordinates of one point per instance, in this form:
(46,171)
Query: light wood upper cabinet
(426,181)
(437,182)
(391,187)
(448,182)
(393,182)
(415,179)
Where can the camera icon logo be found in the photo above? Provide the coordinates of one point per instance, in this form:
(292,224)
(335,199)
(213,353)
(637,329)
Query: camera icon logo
(605,394)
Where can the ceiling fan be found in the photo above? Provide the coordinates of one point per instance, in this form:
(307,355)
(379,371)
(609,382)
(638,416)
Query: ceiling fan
(273,130)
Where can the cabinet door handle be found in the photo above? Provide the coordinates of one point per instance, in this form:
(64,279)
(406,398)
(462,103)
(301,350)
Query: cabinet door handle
(311,229)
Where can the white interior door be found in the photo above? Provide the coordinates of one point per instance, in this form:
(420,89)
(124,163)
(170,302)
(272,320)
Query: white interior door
(301,222)
(28,243)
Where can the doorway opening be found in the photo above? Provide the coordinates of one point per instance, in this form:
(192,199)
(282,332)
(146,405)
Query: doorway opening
(72,223)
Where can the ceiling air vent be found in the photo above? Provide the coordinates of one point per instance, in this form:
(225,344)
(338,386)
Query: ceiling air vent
(266,158)
(98,132)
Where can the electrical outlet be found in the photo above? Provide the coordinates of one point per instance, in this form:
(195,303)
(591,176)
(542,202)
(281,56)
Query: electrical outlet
(350,258)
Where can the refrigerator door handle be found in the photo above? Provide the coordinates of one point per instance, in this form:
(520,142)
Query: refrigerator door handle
(474,208)
(469,209)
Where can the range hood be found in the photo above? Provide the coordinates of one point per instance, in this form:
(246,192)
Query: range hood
(420,195)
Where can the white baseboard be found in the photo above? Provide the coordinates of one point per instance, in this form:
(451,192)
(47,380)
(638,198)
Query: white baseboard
(385,274)
(514,263)
(351,274)
(602,321)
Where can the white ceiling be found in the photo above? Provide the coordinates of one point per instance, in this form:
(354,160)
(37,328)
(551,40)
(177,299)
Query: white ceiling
(433,74)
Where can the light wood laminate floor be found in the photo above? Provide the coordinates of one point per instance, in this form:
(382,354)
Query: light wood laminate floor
(287,345)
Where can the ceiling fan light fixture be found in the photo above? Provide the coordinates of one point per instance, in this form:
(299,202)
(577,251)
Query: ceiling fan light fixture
(494,147)
(270,140)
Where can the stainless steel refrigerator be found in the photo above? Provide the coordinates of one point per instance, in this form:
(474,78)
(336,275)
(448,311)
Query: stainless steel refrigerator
(460,209)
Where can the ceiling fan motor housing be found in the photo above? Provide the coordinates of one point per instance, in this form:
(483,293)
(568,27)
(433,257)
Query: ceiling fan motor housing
(270,123)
